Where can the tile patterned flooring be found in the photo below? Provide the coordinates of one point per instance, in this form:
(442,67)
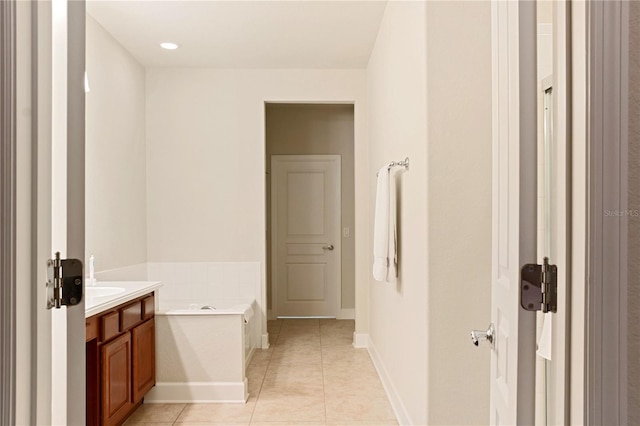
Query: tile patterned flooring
(311,375)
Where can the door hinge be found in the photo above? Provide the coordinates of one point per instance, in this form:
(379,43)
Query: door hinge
(64,282)
(539,287)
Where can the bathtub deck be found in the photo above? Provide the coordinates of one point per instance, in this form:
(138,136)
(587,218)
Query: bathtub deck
(311,375)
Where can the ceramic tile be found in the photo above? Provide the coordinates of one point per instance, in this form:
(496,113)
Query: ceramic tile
(229,423)
(196,413)
(288,423)
(285,379)
(363,423)
(297,356)
(134,423)
(261,355)
(345,341)
(292,323)
(354,388)
(129,422)
(156,413)
(338,324)
(357,407)
(289,409)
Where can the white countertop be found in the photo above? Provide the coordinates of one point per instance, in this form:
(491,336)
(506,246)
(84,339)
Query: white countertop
(129,291)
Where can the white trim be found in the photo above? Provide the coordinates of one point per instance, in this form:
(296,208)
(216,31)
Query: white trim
(265,341)
(402,415)
(360,340)
(198,392)
(347,314)
(579,184)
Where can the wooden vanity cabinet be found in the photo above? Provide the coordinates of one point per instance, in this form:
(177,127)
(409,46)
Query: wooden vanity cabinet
(120,360)
(116,380)
(143,342)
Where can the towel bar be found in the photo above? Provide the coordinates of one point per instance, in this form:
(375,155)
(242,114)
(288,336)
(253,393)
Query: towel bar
(404,163)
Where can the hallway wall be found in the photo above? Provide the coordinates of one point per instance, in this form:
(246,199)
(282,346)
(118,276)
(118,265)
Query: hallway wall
(397,93)
(116,193)
(429,91)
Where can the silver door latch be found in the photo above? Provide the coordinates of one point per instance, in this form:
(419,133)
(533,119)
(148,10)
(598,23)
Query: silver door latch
(64,282)
(478,335)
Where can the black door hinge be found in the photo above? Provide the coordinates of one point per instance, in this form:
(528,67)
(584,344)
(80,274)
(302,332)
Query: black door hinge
(64,282)
(539,287)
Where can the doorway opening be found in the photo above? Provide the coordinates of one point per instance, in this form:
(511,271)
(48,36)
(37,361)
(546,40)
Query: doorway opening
(310,210)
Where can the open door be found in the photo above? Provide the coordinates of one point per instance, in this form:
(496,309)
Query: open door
(512,333)
(58,346)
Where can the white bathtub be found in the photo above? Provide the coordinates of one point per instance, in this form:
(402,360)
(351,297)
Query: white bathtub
(201,355)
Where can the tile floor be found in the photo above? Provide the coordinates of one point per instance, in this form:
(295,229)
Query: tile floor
(311,375)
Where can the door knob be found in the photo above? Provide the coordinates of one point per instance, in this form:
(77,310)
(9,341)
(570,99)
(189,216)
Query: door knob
(329,247)
(478,335)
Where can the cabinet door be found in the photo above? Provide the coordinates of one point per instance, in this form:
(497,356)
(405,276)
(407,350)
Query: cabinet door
(116,380)
(144,359)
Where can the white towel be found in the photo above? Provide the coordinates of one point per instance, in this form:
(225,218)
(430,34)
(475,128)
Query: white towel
(392,272)
(381,227)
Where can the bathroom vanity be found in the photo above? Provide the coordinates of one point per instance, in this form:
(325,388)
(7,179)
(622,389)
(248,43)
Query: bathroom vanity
(120,352)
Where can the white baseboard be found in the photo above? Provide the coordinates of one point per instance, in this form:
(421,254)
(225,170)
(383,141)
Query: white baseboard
(265,341)
(402,416)
(360,340)
(200,392)
(347,314)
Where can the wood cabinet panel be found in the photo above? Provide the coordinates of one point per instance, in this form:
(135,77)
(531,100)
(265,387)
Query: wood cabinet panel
(116,380)
(148,307)
(110,325)
(143,343)
(130,315)
(91,329)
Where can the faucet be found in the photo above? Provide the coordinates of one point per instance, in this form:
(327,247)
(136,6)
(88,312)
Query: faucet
(92,270)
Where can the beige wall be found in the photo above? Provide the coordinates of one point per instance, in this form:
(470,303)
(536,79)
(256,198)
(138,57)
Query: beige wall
(429,87)
(397,93)
(206,160)
(115,153)
(316,129)
(459,175)
(633,300)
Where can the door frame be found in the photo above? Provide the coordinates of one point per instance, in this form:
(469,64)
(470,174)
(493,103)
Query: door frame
(53,353)
(274,241)
(607,37)
(8,146)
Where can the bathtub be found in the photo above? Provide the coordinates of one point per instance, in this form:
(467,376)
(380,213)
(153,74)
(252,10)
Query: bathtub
(202,354)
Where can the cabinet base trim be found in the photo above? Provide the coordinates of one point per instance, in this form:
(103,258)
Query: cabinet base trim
(201,392)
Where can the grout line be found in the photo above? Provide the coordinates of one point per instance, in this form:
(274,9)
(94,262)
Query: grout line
(324,391)
(179,414)
(266,370)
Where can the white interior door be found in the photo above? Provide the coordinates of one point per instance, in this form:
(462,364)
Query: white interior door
(514,210)
(305,221)
(59,344)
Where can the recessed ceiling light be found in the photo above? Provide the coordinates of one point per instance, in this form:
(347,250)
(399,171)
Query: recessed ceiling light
(169,46)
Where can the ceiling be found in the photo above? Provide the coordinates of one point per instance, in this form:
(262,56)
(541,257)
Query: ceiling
(244,34)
